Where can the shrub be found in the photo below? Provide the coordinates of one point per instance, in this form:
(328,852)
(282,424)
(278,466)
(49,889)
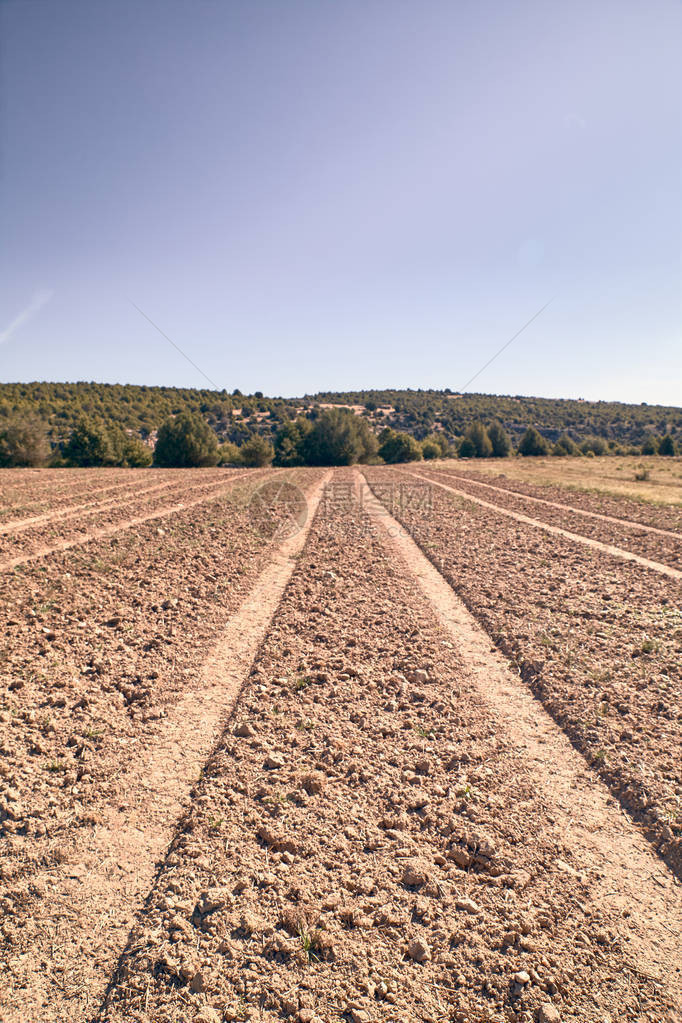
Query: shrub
(566,446)
(23,442)
(478,435)
(467,448)
(399,447)
(257,452)
(666,445)
(430,449)
(185,441)
(650,445)
(89,445)
(229,454)
(338,437)
(499,440)
(533,443)
(289,442)
(594,445)
(127,451)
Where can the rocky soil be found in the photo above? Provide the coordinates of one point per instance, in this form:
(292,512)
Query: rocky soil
(363,846)
(655,546)
(597,640)
(97,644)
(367,841)
(648,513)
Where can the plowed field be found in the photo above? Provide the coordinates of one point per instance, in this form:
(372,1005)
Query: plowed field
(320,745)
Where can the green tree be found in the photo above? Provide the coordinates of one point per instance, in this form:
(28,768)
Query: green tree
(478,435)
(289,442)
(256,452)
(499,440)
(533,443)
(666,445)
(565,446)
(229,454)
(184,441)
(399,447)
(430,449)
(338,437)
(23,442)
(650,445)
(467,448)
(89,444)
(127,451)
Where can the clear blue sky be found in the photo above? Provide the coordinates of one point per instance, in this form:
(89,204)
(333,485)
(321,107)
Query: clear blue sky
(309,194)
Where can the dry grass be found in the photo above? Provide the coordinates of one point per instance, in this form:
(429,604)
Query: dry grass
(609,475)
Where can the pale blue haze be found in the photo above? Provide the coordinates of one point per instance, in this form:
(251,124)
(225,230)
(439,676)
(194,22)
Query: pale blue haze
(335,194)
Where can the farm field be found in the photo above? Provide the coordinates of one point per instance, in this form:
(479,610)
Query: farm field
(412,755)
(609,476)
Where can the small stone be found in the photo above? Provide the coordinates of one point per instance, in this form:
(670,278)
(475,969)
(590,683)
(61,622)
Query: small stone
(522,977)
(207,1015)
(419,951)
(415,873)
(549,1014)
(468,906)
(274,762)
(313,783)
(244,730)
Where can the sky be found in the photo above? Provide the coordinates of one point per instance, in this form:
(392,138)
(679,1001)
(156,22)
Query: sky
(317,195)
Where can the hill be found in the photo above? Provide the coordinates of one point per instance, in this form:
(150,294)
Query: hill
(140,410)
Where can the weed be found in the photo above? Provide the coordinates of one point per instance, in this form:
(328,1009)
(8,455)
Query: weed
(425,733)
(302,682)
(649,646)
(309,944)
(55,766)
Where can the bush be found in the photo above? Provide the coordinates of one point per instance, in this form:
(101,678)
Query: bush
(89,445)
(566,446)
(533,443)
(256,452)
(650,445)
(23,442)
(338,437)
(499,440)
(289,442)
(186,441)
(399,447)
(478,435)
(229,454)
(594,445)
(467,448)
(127,451)
(666,445)
(430,449)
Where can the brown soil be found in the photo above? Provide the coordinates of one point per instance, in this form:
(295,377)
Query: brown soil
(110,833)
(598,640)
(389,828)
(53,537)
(607,548)
(652,542)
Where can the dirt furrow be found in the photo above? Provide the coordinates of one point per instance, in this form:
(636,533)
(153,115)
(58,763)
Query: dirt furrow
(81,510)
(369,843)
(87,905)
(593,637)
(565,506)
(627,877)
(617,552)
(104,531)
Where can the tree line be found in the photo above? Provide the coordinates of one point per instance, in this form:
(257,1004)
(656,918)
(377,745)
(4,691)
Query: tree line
(327,436)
